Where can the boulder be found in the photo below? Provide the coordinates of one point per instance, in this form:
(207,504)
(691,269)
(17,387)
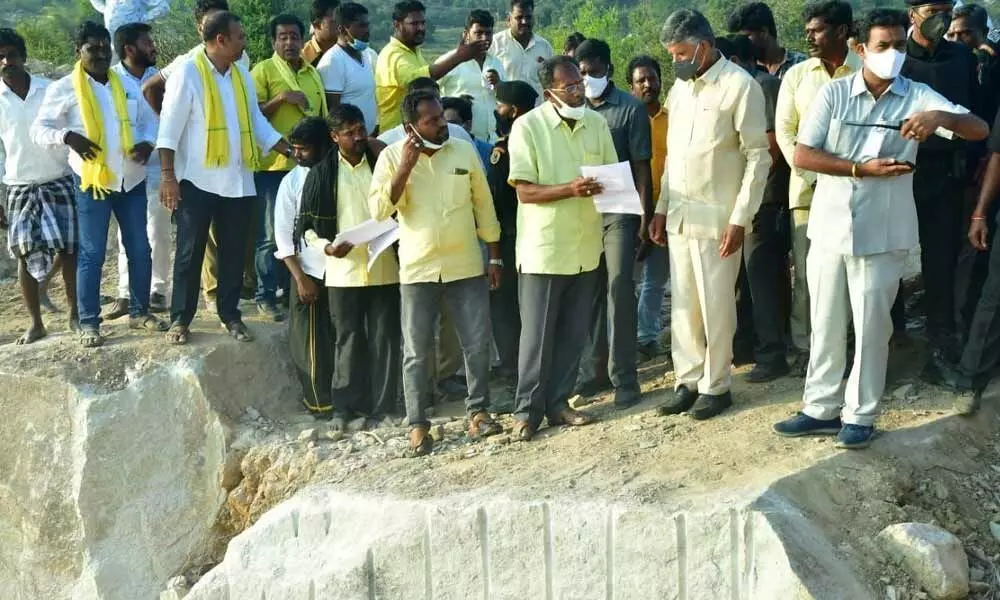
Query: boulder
(933,556)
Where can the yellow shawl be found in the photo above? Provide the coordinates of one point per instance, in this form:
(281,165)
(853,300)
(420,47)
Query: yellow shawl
(217,148)
(97,177)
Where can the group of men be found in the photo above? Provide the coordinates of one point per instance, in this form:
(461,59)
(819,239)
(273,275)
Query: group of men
(503,260)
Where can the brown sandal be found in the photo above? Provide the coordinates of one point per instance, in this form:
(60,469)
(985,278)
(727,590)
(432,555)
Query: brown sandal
(421,442)
(482,425)
(177,335)
(239,331)
(523,431)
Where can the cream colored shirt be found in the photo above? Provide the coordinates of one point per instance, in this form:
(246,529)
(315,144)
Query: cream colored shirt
(718,153)
(520,63)
(469,79)
(799,88)
(445,209)
(353,183)
(561,237)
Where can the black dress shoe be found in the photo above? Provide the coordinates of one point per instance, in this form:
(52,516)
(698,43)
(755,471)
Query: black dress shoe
(683,400)
(708,406)
(764,372)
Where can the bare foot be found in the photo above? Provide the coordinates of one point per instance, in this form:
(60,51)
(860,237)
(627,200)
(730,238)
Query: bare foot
(33,334)
(74,322)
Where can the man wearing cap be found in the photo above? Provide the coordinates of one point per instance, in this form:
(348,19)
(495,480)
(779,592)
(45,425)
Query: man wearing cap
(513,98)
(939,178)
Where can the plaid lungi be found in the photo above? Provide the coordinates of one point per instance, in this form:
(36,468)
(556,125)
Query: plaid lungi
(42,222)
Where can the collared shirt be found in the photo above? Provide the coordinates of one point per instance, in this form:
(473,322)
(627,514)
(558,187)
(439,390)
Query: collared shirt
(398,133)
(60,114)
(269,84)
(312,52)
(629,123)
(184,129)
(353,80)
(353,183)
(287,203)
(469,79)
(24,162)
(397,66)
(149,73)
(123,12)
(561,237)
(792,58)
(870,215)
(799,88)
(718,150)
(658,130)
(175,64)
(520,63)
(444,211)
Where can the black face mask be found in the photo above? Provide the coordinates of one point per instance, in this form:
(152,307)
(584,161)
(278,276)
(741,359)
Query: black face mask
(935,26)
(504,124)
(687,70)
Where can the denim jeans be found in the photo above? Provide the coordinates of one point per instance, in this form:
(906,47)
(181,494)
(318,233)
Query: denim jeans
(652,290)
(270,273)
(94,216)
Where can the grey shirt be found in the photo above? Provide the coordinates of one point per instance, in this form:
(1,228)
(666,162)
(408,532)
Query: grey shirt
(629,124)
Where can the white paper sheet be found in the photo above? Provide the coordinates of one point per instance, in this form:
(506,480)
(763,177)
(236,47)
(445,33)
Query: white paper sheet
(381,243)
(365,232)
(620,195)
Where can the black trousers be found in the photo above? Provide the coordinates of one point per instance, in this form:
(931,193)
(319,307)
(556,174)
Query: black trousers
(982,348)
(196,213)
(311,345)
(504,309)
(368,350)
(971,270)
(765,256)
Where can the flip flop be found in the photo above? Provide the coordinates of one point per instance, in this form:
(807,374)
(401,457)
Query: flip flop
(239,331)
(177,335)
(90,337)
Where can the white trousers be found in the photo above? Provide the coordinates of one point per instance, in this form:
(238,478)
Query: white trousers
(702,313)
(841,288)
(158,231)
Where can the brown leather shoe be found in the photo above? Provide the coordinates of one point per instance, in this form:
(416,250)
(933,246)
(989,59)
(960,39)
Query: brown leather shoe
(421,442)
(482,425)
(523,431)
(570,417)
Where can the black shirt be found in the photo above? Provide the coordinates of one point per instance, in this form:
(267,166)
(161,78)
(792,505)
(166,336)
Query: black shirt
(504,196)
(950,70)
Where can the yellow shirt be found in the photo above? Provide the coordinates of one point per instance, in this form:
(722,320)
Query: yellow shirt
(269,84)
(658,130)
(397,66)
(311,52)
(718,150)
(561,237)
(445,209)
(353,183)
(800,85)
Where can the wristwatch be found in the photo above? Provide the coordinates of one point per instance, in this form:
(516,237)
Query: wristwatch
(496,262)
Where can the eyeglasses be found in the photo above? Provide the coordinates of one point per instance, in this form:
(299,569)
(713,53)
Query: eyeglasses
(575,88)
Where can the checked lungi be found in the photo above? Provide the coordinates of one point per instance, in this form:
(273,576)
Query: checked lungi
(42,222)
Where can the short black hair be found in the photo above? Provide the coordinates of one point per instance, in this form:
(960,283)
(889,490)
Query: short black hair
(425,84)
(218,24)
(320,8)
(832,12)
(350,12)
(461,105)
(737,45)
(90,30)
(311,131)
(345,114)
(202,7)
(976,16)
(755,16)
(286,19)
(524,4)
(643,60)
(592,49)
(128,35)
(480,17)
(9,37)
(412,102)
(573,41)
(547,72)
(401,9)
(881,17)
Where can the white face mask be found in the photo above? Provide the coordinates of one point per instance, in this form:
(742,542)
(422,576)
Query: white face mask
(573,113)
(885,65)
(428,145)
(594,86)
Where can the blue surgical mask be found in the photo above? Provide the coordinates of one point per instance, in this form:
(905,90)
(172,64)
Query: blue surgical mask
(359,45)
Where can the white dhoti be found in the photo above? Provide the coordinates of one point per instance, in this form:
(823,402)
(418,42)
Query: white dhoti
(841,287)
(702,313)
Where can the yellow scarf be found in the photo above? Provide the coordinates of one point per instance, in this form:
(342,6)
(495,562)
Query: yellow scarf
(97,177)
(290,79)
(217,148)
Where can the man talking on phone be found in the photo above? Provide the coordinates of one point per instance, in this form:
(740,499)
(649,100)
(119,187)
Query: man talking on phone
(861,137)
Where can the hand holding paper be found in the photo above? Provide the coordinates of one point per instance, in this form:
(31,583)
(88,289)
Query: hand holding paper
(619,195)
(365,232)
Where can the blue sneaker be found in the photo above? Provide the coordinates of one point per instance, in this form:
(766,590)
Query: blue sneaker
(855,437)
(801,424)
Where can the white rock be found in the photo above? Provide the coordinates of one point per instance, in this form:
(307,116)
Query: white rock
(934,558)
(995,530)
(252,413)
(308,435)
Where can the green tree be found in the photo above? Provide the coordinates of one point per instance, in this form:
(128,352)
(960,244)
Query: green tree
(49,34)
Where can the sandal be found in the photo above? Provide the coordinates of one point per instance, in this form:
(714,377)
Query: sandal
(90,337)
(239,331)
(178,335)
(523,431)
(148,323)
(482,425)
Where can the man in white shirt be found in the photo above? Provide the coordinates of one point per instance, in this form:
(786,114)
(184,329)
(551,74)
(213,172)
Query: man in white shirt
(40,189)
(348,69)
(135,46)
(84,111)
(310,331)
(398,133)
(861,136)
(476,78)
(520,51)
(208,178)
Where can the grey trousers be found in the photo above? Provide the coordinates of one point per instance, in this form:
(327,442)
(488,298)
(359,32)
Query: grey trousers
(614,310)
(468,304)
(554,313)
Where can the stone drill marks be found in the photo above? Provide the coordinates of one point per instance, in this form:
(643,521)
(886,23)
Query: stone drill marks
(399,559)
(713,554)
(455,553)
(517,551)
(645,554)
(579,551)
